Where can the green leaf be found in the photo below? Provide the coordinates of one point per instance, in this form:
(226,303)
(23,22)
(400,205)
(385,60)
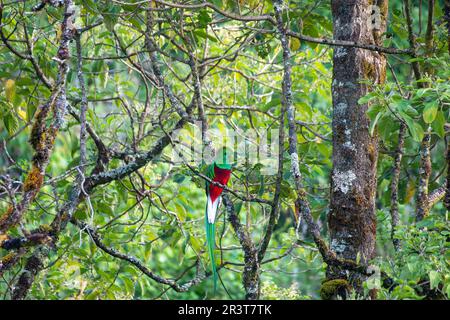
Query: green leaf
(203,18)
(294,44)
(196,244)
(424,223)
(373,111)
(414,128)
(178,178)
(419,132)
(410,111)
(370,96)
(110,16)
(438,124)
(25,82)
(11,123)
(435,279)
(421,92)
(129,285)
(275,101)
(400,104)
(430,111)
(109,22)
(92,296)
(238,207)
(180,211)
(203,34)
(374,123)
(10,90)
(261,186)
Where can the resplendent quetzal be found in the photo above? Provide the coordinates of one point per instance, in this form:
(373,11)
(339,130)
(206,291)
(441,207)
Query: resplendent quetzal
(218,171)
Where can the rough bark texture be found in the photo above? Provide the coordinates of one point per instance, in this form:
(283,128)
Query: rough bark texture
(447,20)
(394,184)
(42,137)
(352,220)
(423,209)
(251,274)
(447,192)
(33,266)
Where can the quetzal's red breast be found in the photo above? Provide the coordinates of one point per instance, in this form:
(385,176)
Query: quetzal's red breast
(221,176)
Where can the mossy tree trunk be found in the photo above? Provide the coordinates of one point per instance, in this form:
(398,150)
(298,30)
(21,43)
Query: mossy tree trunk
(352,219)
(447,192)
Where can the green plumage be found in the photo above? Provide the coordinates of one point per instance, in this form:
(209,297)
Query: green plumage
(222,163)
(211,231)
(210,240)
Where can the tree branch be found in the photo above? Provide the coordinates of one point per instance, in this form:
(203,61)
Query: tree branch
(136,262)
(42,137)
(394,183)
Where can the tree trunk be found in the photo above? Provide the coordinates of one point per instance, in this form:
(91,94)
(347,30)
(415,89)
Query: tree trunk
(447,192)
(250,277)
(251,272)
(352,220)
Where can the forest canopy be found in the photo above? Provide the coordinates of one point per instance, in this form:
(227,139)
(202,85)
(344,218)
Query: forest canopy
(315,133)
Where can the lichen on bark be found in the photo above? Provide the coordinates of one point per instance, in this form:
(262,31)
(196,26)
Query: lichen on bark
(352,220)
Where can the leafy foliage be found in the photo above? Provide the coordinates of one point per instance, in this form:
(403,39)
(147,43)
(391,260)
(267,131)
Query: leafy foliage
(156,213)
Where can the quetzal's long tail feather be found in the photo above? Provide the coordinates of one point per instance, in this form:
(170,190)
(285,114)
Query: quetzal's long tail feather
(210,241)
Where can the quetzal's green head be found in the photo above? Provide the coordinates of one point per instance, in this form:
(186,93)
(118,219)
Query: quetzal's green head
(224,158)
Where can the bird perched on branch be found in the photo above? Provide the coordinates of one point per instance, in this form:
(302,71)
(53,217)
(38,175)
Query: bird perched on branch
(219,171)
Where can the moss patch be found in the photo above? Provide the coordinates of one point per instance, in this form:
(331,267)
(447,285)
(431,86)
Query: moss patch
(8,258)
(330,289)
(34,180)
(6,215)
(44,228)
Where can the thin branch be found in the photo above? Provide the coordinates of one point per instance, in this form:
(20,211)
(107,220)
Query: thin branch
(412,41)
(422,208)
(43,136)
(290,33)
(136,262)
(83,104)
(286,106)
(394,183)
